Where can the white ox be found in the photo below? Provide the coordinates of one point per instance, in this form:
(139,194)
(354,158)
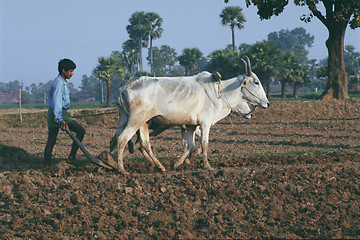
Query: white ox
(242,109)
(190,101)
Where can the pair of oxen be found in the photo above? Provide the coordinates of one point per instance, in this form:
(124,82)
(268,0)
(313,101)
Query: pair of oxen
(191,102)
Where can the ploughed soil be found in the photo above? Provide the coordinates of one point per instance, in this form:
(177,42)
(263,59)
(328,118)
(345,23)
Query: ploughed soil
(292,171)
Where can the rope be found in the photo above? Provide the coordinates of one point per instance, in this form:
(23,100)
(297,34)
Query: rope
(91,115)
(251,93)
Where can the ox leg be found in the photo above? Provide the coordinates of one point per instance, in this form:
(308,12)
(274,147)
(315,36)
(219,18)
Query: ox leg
(204,145)
(184,141)
(198,151)
(123,119)
(120,153)
(122,140)
(113,141)
(189,137)
(146,155)
(146,147)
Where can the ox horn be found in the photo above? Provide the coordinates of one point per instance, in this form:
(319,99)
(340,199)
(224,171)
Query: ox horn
(247,66)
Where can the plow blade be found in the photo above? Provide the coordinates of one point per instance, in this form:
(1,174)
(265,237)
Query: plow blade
(103,160)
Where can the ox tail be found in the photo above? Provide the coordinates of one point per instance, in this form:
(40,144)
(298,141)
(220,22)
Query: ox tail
(124,101)
(123,108)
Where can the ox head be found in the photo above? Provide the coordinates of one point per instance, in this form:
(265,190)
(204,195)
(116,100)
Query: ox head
(251,88)
(242,109)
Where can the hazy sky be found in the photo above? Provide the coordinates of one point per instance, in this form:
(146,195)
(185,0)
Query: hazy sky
(36,34)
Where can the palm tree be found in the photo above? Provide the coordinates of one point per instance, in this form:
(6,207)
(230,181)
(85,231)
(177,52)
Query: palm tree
(189,59)
(106,70)
(233,17)
(139,30)
(155,31)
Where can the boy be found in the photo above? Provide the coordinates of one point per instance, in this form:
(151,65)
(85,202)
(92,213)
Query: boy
(58,116)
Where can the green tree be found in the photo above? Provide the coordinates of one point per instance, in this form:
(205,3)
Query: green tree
(227,62)
(290,71)
(300,77)
(139,30)
(233,17)
(266,62)
(163,60)
(39,92)
(293,41)
(90,86)
(169,54)
(189,60)
(158,64)
(106,70)
(129,56)
(336,16)
(12,86)
(155,31)
(177,71)
(352,64)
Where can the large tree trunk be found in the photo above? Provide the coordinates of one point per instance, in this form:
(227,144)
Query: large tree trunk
(337,79)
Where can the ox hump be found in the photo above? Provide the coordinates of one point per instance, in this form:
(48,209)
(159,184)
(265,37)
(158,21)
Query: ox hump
(142,82)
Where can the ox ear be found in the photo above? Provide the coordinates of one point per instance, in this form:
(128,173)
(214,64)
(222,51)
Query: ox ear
(247,66)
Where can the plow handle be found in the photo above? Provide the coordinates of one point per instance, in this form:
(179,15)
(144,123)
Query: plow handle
(86,152)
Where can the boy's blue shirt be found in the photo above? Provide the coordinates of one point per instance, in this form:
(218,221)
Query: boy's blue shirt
(59,98)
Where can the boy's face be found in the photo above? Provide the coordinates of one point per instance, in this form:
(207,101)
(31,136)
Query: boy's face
(68,74)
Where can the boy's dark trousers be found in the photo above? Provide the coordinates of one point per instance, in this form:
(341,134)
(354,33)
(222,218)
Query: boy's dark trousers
(53,132)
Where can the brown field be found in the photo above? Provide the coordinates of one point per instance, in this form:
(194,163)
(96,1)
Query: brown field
(292,171)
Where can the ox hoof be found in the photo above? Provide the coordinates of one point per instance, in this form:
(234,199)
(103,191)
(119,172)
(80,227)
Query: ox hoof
(161,167)
(122,171)
(176,165)
(208,167)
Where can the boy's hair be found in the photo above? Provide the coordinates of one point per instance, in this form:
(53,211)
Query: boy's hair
(66,64)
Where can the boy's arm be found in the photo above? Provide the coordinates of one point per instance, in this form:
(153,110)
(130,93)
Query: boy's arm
(57,103)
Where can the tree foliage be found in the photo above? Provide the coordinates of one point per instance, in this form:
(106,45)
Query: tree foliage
(293,41)
(12,86)
(106,70)
(155,31)
(227,62)
(291,72)
(163,60)
(265,61)
(352,65)
(89,85)
(129,56)
(336,16)
(138,30)
(144,27)
(189,60)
